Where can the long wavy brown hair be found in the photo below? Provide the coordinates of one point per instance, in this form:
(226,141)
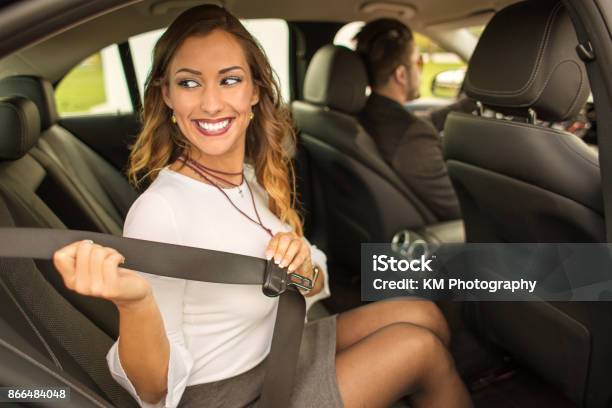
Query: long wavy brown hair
(270,138)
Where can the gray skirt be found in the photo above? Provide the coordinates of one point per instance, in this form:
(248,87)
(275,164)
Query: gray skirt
(315,381)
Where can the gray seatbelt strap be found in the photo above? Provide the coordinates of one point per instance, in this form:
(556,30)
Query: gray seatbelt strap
(283,358)
(197,264)
(147,256)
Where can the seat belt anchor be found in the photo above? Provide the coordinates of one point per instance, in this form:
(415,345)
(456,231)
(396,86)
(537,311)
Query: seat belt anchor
(277,280)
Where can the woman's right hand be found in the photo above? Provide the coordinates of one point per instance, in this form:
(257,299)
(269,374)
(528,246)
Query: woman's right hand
(93,270)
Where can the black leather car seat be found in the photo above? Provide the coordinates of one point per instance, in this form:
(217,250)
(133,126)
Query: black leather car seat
(29,186)
(364,200)
(521,182)
(101,188)
(72,332)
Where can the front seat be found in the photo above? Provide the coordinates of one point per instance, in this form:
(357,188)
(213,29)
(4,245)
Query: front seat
(364,200)
(520,182)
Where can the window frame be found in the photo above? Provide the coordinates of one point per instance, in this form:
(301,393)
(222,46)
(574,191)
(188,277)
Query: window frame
(129,71)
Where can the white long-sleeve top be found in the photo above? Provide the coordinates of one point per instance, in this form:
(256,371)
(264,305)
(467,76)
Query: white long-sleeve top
(216,331)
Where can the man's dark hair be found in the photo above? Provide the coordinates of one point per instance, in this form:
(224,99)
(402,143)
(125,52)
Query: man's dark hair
(384,44)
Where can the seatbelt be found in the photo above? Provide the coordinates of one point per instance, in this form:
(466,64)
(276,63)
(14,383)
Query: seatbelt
(197,264)
(602,103)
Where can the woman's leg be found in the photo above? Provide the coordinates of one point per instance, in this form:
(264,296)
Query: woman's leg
(362,321)
(397,360)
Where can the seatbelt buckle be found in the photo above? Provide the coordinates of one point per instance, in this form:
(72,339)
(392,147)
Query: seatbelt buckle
(277,280)
(300,281)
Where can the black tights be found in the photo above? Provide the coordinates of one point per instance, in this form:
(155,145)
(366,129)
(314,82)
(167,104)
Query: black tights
(387,350)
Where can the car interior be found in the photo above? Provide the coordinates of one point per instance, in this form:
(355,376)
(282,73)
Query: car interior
(525,164)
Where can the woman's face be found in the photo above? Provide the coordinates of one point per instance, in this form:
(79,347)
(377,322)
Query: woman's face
(211,91)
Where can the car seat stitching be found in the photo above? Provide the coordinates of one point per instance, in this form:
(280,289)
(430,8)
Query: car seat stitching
(570,148)
(65,380)
(560,135)
(528,182)
(403,190)
(21,129)
(11,192)
(31,324)
(552,71)
(59,172)
(543,46)
(575,100)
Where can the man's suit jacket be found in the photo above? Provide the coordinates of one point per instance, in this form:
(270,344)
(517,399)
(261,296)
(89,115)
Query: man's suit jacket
(413,148)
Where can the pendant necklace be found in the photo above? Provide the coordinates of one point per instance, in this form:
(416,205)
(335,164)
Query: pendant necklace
(207,175)
(212,173)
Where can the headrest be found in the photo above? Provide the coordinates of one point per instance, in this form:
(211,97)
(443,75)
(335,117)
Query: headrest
(526,58)
(38,90)
(20,127)
(336,78)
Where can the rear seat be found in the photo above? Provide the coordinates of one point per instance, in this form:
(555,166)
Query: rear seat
(59,330)
(74,331)
(29,186)
(36,320)
(29,355)
(101,192)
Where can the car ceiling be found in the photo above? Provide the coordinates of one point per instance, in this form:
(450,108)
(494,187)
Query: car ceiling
(53,57)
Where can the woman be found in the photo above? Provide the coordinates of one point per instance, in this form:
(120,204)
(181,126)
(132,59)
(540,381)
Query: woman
(216,143)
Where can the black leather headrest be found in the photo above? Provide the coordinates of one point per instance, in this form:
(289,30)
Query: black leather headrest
(336,78)
(38,90)
(20,127)
(526,58)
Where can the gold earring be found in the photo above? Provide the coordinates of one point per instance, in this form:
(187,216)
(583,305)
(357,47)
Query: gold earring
(173,119)
(251,116)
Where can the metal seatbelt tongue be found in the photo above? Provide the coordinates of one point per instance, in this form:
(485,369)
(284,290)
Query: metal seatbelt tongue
(276,280)
(196,264)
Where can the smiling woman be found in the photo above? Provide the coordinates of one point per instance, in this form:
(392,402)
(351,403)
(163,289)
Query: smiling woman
(210,100)
(216,144)
(215,88)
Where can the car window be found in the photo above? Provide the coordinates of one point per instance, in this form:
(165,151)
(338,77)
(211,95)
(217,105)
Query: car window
(272,34)
(435,60)
(97,85)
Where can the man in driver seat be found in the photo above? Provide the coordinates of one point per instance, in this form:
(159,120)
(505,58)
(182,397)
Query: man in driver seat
(410,145)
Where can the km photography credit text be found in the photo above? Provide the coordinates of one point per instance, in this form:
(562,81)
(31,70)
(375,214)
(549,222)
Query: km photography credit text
(488,272)
(383,263)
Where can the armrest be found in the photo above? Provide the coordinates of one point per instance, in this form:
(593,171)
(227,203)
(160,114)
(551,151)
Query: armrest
(448,232)
(444,233)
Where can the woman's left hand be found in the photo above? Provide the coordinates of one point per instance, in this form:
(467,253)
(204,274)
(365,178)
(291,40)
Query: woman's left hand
(291,251)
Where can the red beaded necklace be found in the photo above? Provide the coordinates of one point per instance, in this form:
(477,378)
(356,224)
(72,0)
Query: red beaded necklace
(206,173)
